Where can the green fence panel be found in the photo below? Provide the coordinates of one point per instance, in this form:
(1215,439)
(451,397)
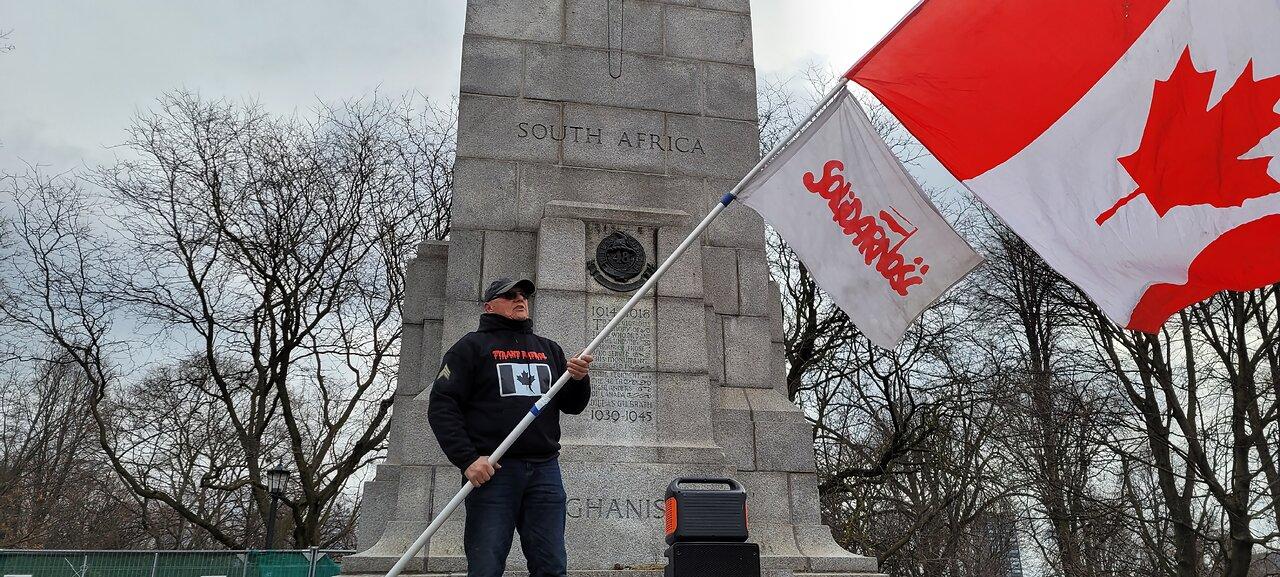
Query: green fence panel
(173,564)
(166,564)
(70,565)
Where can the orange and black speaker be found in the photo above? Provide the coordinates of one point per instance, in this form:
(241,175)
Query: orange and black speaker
(697,513)
(706,526)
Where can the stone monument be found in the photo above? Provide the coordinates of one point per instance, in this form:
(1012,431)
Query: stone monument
(593,136)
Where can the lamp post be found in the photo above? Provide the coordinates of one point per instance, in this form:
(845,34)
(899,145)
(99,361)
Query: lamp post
(277,478)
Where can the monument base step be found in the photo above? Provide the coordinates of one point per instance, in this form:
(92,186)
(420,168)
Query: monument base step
(657,573)
(595,573)
(860,567)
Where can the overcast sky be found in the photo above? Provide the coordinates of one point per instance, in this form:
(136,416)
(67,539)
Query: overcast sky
(80,69)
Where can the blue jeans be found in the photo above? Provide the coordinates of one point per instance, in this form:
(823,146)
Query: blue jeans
(522,496)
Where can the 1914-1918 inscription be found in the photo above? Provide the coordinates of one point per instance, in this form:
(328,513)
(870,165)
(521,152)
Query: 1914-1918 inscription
(621,139)
(630,346)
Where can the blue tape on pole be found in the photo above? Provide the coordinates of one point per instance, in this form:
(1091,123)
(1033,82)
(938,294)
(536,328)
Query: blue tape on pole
(535,410)
(727,198)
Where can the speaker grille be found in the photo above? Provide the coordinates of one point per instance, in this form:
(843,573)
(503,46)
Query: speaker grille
(713,560)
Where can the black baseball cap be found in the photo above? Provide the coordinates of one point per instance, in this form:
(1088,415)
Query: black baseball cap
(504,284)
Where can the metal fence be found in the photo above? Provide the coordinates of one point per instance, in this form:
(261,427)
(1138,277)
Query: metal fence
(278,563)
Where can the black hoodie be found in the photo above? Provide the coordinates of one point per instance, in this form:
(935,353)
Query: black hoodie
(488,381)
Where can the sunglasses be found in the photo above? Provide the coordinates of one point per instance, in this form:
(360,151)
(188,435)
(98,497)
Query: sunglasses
(513,295)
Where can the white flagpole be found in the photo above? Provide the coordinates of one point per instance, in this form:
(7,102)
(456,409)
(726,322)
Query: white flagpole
(631,303)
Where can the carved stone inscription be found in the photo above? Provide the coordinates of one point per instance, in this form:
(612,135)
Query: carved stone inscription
(597,507)
(630,346)
(623,385)
(626,400)
(597,136)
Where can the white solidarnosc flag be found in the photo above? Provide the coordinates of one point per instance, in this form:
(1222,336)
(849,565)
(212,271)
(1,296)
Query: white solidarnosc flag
(861,225)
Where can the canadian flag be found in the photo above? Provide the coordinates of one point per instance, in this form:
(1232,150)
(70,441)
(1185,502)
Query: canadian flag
(860,224)
(1129,142)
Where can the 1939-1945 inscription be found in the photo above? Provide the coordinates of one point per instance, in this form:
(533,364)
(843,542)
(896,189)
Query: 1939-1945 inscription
(597,136)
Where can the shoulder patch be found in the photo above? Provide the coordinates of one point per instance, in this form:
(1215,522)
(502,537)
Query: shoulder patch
(444,374)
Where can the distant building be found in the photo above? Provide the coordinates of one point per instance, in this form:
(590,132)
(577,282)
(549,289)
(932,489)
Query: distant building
(1002,538)
(1015,558)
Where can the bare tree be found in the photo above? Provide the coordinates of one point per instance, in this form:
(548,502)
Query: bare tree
(1054,419)
(267,255)
(907,455)
(56,491)
(1205,410)
(53,480)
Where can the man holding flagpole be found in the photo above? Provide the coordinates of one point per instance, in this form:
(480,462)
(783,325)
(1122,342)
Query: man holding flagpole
(488,381)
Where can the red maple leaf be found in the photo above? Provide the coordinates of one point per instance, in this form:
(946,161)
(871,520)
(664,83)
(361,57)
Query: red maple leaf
(1190,153)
